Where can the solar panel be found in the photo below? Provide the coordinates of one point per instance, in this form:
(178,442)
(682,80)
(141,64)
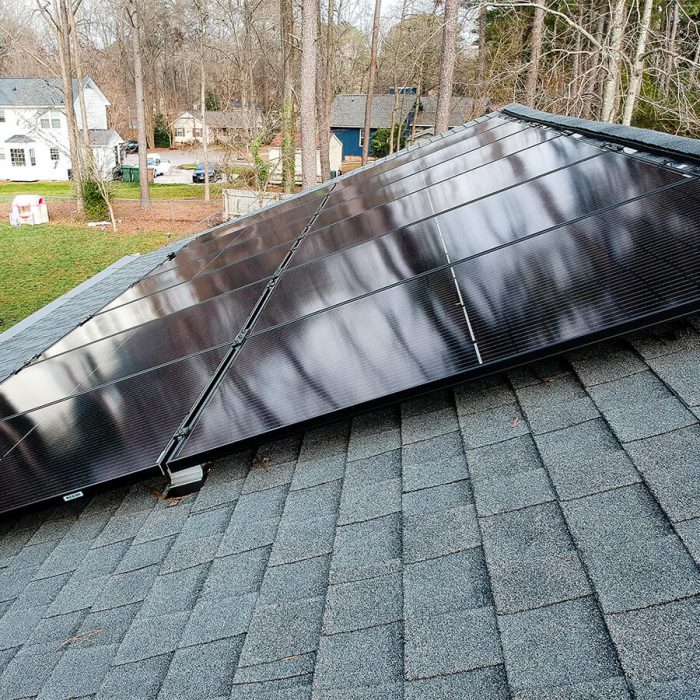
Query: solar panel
(494,244)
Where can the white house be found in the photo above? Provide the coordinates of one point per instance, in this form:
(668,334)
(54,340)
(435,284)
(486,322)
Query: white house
(220,126)
(34,130)
(335,153)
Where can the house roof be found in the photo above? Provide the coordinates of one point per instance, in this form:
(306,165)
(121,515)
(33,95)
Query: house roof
(38,92)
(19,138)
(233,119)
(530,535)
(104,137)
(462,109)
(277,140)
(348,111)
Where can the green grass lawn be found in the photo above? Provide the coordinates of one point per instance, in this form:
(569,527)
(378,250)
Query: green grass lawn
(39,263)
(123,190)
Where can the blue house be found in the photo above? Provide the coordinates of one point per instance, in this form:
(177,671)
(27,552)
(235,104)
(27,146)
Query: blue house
(348,117)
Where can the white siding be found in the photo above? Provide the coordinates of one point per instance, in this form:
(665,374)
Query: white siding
(96,109)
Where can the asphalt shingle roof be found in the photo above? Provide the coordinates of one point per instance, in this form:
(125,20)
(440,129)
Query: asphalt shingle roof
(529,535)
(33,92)
(348,111)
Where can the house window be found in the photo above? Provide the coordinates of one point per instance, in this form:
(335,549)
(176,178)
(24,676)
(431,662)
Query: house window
(45,123)
(197,133)
(17,157)
(54,154)
(2,115)
(55,123)
(362,138)
(32,157)
(179,133)
(2,155)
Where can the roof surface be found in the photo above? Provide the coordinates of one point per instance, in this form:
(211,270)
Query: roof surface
(533,535)
(35,92)
(462,109)
(234,119)
(103,137)
(529,536)
(348,111)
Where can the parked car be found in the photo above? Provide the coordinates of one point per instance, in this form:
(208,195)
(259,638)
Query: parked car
(130,147)
(214,173)
(160,166)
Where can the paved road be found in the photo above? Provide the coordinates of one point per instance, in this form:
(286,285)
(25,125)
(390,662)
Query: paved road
(177,157)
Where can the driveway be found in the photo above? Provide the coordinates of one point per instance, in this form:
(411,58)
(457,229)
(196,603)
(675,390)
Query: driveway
(177,157)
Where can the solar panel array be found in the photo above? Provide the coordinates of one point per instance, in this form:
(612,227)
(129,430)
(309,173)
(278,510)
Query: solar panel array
(496,243)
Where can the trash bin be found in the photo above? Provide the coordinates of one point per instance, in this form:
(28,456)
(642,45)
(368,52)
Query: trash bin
(28,209)
(130,173)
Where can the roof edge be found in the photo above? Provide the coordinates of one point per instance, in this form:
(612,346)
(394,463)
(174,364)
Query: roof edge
(633,137)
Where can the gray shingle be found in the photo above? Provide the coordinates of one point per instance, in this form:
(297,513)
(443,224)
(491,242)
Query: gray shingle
(242,536)
(424,426)
(640,406)
(55,630)
(151,636)
(659,643)
(63,559)
(367,501)
(191,551)
(121,527)
(385,691)
(680,371)
(33,555)
(453,582)
(318,471)
(237,574)
(77,594)
(163,522)
(367,549)
(298,688)
(362,446)
(326,441)
(220,488)
(369,657)
(149,553)
(483,395)
(107,626)
(175,592)
(293,667)
(461,640)
(283,630)
(545,418)
(608,689)
(13,582)
(102,561)
(267,477)
(359,604)
(313,502)
(585,459)
(126,588)
(302,579)
(51,531)
(41,593)
(481,684)
(671,466)
(79,672)
(303,539)
(140,680)
(217,619)
(432,462)
(437,498)
(440,533)
(689,532)
(494,425)
(557,645)
(203,671)
(605,362)
(260,505)
(374,469)
(26,673)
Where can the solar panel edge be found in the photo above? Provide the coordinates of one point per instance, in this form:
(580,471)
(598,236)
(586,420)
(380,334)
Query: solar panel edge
(484,370)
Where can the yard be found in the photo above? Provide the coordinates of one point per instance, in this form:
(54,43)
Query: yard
(121,190)
(39,263)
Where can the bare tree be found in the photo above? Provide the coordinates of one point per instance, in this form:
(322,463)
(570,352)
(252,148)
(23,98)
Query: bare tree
(307,93)
(325,94)
(637,73)
(447,65)
(371,80)
(288,120)
(613,64)
(201,18)
(535,55)
(133,14)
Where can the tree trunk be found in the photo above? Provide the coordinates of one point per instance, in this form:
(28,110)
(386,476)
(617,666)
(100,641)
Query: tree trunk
(637,73)
(203,101)
(447,65)
(597,18)
(481,67)
(614,61)
(307,96)
(323,83)
(132,9)
(535,55)
(288,126)
(370,80)
(59,22)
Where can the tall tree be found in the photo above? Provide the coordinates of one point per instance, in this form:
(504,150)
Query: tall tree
(307,93)
(614,60)
(481,61)
(371,80)
(635,81)
(201,20)
(325,93)
(447,65)
(288,120)
(533,72)
(133,14)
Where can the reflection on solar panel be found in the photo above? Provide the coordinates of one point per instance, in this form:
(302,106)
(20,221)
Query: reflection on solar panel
(497,243)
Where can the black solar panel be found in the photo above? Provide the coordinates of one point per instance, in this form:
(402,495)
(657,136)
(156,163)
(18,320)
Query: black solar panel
(497,243)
